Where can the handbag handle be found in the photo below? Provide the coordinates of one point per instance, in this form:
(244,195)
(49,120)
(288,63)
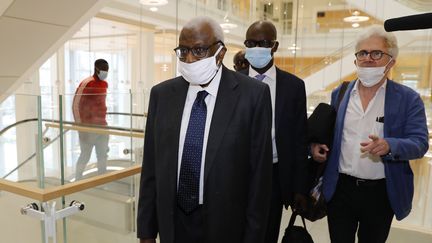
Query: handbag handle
(293,218)
(341,94)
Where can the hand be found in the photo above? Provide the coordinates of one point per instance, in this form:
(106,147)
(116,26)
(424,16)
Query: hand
(319,152)
(147,240)
(300,203)
(376,146)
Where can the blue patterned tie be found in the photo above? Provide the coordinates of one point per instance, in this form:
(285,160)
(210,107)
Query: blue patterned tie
(188,188)
(260,77)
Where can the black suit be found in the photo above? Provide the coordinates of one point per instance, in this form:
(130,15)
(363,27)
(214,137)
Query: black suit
(237,173)
(290,173)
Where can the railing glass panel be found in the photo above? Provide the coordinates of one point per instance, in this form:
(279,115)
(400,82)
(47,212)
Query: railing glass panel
(19,139)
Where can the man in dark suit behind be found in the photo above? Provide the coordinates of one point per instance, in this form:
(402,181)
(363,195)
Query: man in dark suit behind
(289,124)
(235,171)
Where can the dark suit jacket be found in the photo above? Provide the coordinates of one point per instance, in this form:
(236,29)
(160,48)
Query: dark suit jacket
(237,173)
(291,134)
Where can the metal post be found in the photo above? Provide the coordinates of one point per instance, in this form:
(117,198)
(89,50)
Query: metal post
(49,215)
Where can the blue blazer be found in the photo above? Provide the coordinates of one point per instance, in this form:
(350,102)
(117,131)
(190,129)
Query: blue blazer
(405,131)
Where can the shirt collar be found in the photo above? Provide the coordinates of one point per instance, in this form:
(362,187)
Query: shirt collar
(271,72)
(212,88)
(381,88)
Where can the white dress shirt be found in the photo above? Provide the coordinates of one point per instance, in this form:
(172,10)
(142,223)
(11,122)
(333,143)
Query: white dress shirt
(270,80)
(210,101)
(358,125)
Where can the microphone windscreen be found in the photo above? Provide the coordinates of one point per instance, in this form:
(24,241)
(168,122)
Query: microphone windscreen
(412,22)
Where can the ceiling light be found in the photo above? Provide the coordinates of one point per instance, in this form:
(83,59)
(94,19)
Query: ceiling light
(294,47)
(356,17)
(227,26)
(154,2)
(353,19)
(165,67)
(355,25)
(153,9)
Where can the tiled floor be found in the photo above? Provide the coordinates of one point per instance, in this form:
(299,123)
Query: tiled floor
(319,232)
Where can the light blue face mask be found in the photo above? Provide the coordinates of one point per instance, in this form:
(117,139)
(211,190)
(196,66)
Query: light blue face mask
(258,57)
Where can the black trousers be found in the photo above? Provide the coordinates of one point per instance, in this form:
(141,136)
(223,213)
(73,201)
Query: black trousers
(276,208)
(360,206)
(189,228)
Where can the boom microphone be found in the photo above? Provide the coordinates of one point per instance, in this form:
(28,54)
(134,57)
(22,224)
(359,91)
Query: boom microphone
(412,22)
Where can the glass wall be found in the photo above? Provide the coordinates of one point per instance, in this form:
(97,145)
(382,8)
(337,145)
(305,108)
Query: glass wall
(316,43)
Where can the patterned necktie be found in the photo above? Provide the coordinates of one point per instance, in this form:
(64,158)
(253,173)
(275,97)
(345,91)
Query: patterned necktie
(260,77)
(188,188)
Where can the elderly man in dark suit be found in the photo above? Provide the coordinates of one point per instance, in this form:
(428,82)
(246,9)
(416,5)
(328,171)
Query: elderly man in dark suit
(206,174)
(289,124)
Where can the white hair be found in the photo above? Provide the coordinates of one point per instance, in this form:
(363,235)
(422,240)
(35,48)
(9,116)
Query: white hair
(378,31)
(197,22)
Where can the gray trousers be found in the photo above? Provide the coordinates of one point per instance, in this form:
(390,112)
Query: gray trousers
(87,142)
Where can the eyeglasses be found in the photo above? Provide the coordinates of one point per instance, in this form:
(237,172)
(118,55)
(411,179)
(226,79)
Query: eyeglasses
(261,43)
(374,55)
(199,52)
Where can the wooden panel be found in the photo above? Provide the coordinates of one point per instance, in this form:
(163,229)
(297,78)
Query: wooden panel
(44,195)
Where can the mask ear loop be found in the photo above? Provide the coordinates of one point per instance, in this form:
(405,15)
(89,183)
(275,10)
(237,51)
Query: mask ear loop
(391,59)
(217,53)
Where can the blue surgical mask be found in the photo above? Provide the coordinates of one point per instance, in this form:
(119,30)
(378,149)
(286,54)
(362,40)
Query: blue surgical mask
(102,75)
(258,57)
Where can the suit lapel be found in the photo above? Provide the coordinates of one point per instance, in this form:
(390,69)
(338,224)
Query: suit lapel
(176,98)
(391,106)
(279,99)
(225,105)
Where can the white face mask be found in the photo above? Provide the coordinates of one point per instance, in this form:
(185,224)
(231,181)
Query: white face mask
(102,75)
(200,72)
(370,76)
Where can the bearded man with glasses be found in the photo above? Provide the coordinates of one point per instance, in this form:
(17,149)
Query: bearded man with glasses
(206,173)
(380,126)
(290,172)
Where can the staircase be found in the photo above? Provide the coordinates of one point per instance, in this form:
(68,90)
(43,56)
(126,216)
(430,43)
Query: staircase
(31,31)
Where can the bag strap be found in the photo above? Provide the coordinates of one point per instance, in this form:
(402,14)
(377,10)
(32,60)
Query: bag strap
(293,218)
(341,94)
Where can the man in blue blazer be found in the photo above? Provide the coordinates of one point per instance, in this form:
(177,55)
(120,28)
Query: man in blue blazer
(224,197)
(290,174)
(380,126)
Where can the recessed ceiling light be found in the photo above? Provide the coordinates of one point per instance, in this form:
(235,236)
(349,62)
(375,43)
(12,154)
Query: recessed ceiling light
(356,17)
(153,9)
(353,19)
(154,2)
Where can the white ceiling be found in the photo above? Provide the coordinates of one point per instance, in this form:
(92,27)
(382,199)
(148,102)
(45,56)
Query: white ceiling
(32,30)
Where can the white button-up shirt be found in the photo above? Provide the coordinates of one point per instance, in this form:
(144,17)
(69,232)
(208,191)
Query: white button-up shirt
(358,125)
(210,101)
(270,80)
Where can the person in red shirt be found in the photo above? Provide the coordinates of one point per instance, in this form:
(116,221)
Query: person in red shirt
(89,108)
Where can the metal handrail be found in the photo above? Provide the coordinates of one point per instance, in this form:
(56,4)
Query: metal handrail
(70,123)
(332,56)
(127,114)
(67,122)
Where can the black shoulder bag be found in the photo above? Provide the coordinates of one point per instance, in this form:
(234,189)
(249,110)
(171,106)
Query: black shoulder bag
(320,130)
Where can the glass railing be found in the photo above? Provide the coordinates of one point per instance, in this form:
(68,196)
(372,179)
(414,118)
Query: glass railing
(41,147)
